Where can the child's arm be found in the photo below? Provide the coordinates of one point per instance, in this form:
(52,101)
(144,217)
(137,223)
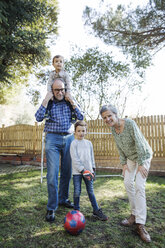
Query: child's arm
(67,85)
(93,160)
(92,156)
(50,81)
(67,82)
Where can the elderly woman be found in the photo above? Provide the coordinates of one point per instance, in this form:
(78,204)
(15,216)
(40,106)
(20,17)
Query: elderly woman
(135,156)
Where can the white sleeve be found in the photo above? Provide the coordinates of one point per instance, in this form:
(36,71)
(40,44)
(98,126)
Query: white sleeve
(76,162)
(92,156)
(50,81)
(67,81)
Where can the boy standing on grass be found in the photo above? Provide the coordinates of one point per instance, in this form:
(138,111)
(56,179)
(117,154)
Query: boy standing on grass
(83,167)
(59,72)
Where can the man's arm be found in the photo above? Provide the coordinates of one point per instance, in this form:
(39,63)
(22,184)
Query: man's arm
(40,114)
(48,96)
(79,113)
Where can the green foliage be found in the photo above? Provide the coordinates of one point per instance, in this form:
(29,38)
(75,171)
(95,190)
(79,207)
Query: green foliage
(138,32)
(33,90)
(25,27)
(99,78)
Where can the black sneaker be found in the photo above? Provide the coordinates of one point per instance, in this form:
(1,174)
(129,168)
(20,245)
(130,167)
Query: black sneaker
(67,204)
(99,215)
(50,217)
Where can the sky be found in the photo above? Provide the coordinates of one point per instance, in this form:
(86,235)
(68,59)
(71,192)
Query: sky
(72,31)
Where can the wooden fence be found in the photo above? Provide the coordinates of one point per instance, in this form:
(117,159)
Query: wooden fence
(153,128)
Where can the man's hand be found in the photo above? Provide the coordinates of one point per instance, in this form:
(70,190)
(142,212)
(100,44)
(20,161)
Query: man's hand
(48,96)
(69,98)
(88,175)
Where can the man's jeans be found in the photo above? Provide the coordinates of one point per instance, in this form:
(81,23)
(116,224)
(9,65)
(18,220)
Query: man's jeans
(77,180)
(55,146)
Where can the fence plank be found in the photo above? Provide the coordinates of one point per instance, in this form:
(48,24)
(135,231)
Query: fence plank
(162,134)
(30,136)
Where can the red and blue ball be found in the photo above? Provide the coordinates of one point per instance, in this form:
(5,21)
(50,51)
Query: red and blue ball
(74,222)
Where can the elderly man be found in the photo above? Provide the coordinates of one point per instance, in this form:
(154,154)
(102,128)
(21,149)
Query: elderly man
(58,140)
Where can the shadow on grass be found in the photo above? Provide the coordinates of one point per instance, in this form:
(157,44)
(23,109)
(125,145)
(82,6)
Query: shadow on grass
(23,209)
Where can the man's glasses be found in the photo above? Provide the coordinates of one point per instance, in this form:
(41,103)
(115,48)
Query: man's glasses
(58,90)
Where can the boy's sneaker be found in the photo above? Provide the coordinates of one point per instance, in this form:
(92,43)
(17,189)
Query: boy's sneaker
(50,216)
(99,215)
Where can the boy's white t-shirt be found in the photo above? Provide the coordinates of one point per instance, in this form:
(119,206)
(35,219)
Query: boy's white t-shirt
(82,156)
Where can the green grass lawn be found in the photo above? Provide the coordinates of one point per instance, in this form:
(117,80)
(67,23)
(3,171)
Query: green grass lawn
(23,208)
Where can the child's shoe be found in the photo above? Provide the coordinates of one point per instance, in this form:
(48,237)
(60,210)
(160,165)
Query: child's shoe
(99,215)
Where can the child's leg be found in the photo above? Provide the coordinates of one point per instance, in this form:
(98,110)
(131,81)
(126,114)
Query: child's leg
(77,179)
(90,191)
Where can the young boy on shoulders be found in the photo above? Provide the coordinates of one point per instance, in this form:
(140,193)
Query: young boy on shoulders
(59,72)
(83,167)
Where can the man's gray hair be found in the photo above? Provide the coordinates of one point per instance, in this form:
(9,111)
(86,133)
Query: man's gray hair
(109,107)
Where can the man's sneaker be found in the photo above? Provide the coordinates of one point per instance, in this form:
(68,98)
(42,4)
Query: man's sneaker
(67,204)
(99,215)
(50,217)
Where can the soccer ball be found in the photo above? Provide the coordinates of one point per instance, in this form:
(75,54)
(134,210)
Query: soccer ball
(74,222)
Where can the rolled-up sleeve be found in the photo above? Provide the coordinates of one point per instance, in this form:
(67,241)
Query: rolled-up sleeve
(142,147)
(40,114)
(79,113)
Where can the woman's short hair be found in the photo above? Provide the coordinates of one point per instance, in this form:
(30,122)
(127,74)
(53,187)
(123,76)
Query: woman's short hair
(109,107)
(80,123)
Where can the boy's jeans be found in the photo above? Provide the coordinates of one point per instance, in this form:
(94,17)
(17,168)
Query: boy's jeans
(55,146)
(77,180)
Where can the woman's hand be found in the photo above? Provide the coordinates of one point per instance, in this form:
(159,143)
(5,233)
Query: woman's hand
(142,170)
(125,167)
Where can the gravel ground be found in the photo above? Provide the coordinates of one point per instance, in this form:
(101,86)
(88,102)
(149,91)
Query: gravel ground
(9,168)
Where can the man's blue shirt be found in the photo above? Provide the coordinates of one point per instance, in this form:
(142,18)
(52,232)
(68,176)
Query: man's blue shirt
(59,117)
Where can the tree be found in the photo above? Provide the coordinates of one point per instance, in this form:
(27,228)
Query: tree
(25,28)
(99,79)
(139,33)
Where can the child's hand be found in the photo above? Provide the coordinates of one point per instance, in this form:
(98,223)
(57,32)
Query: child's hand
(70,99)
(88,175)
(94,173)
